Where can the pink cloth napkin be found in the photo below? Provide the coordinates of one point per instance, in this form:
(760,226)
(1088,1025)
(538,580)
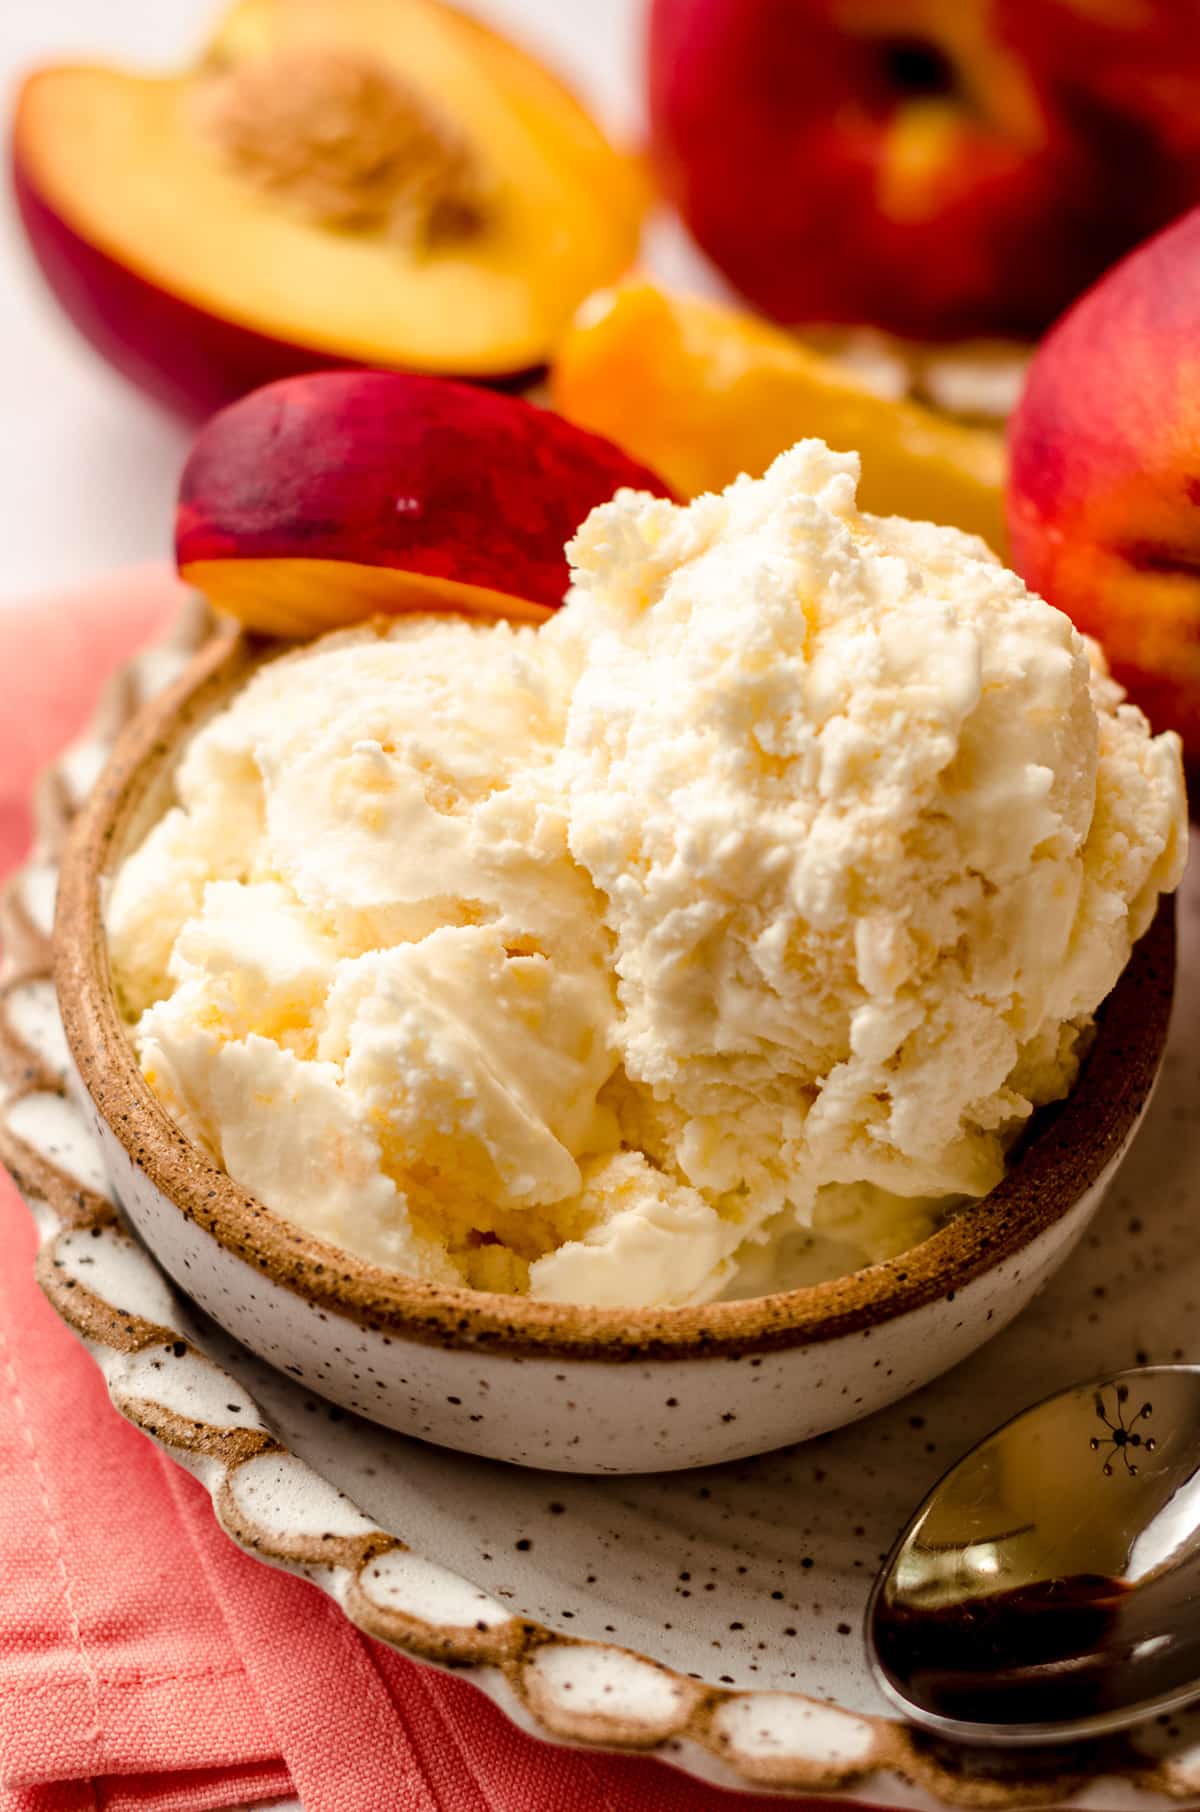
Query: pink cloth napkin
(146,1663)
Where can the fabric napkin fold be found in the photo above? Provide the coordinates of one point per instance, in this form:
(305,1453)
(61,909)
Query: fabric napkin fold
(146,1663)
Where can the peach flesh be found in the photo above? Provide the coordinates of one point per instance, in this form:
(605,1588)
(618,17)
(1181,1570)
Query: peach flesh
(192,361)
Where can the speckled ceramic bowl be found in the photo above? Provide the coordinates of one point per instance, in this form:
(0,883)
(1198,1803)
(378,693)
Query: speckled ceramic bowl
(549,1384)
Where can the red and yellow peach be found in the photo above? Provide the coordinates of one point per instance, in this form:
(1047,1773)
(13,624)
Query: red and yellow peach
(365,182)
(320,500)
(1104,487)
(939,167)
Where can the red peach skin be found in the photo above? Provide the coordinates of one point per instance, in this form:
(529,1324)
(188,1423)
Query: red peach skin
(1104,485)
(937,167)
(321,499)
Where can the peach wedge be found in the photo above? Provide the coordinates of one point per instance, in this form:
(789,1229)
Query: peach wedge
(702,392)
(319,501)
(364,182)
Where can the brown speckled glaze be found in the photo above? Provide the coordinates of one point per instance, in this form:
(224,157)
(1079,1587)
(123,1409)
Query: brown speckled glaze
(708,1617)
(1069,1152)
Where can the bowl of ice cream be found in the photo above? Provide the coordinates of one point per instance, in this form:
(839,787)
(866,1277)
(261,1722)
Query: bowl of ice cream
(646,1038)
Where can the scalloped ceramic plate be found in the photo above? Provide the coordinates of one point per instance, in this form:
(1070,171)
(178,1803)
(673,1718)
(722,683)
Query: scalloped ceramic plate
(712,1617)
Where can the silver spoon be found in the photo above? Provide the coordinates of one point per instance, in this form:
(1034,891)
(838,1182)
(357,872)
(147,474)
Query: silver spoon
(1049,1587)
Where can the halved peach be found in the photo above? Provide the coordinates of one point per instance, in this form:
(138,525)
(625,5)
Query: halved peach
(321,500)
(373,182)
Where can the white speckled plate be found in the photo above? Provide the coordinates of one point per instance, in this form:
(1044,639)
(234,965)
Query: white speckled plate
(711,1617)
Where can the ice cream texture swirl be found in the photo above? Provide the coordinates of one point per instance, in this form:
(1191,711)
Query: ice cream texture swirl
(718,935)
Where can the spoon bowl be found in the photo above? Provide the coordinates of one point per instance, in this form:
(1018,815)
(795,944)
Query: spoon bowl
(1049,1586)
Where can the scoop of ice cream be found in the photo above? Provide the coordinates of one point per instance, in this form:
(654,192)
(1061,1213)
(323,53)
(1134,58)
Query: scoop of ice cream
(717,936)
(401,948)
(874,832)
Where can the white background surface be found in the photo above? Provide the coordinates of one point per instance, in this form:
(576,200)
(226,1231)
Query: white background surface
(87,466)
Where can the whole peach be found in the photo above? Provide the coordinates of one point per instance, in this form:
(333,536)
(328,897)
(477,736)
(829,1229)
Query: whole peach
(938,167)
(1104,482)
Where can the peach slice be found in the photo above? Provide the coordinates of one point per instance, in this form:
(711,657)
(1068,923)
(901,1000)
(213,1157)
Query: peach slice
(704,392)
(366,182)
(320,500)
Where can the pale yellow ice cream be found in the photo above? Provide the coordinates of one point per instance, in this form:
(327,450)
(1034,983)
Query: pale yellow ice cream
(719,935)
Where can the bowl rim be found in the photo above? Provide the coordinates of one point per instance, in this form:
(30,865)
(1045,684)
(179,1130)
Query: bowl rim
(1070,1147)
